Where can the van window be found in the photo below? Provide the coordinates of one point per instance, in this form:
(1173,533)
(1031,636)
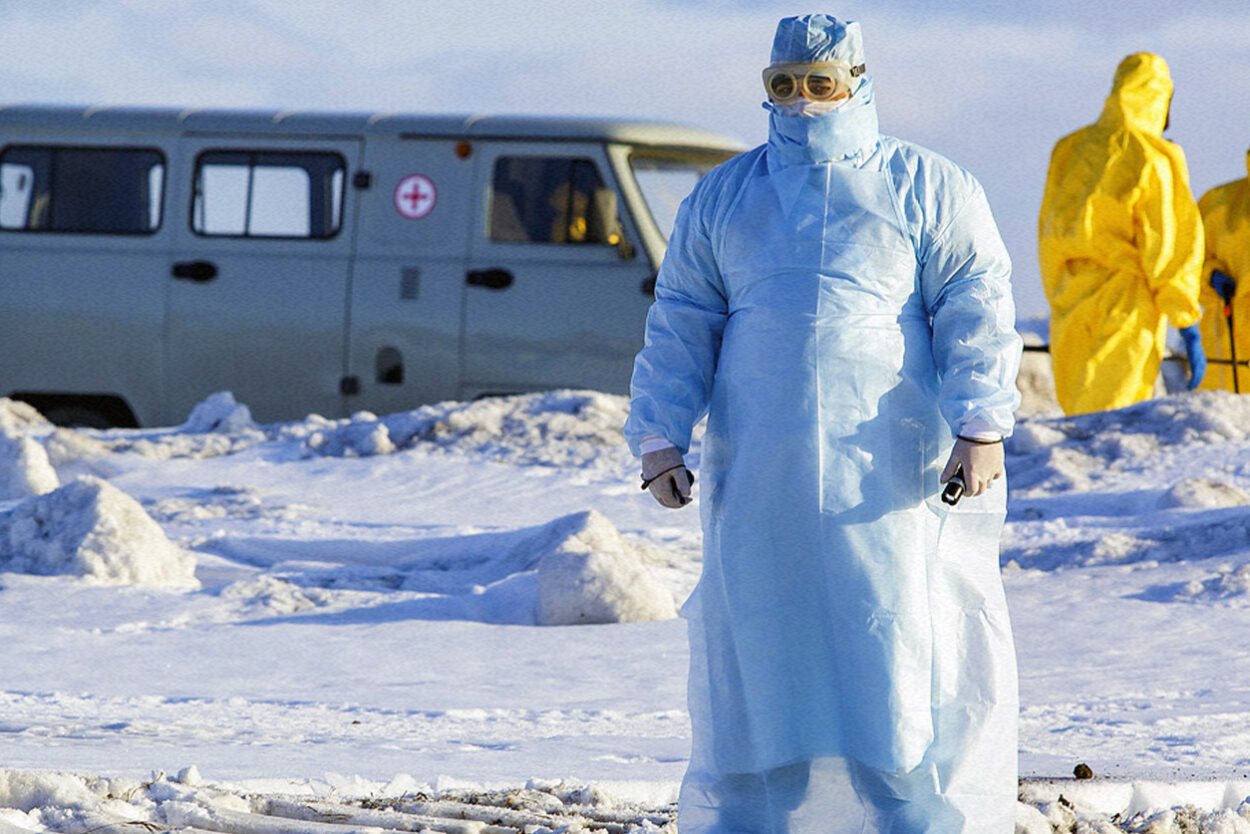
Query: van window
(537,199)
(97,190)
(665,178)
(268,194)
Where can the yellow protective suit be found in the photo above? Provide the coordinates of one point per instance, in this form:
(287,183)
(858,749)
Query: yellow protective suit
(1120,244)
(1226,225)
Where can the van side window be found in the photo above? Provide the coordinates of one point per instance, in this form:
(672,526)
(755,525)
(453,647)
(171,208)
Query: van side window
(268,194)
(536,199)
(100,190)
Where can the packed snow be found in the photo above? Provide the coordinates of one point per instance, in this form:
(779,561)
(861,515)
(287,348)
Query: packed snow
(469,612)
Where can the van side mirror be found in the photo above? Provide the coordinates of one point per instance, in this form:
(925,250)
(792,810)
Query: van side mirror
(608,227)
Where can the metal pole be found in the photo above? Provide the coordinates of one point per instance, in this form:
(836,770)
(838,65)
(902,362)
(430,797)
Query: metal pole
(1232,342)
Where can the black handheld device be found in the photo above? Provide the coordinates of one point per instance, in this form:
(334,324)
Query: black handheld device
(954,489)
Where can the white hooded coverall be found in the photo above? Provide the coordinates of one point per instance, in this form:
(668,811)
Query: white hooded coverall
(838,303)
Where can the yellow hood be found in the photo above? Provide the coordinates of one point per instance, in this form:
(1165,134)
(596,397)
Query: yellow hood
(1140,93)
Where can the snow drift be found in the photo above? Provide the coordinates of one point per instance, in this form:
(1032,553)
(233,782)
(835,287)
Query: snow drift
(553,428)
(1161,500)
(575,569)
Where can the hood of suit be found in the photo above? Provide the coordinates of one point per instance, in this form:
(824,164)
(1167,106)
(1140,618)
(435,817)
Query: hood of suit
(1140,94)
(848,131)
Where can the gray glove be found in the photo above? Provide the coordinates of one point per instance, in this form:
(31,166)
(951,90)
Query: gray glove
(664,473)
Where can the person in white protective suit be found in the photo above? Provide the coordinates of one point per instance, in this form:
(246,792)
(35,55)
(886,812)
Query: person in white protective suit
(838,303)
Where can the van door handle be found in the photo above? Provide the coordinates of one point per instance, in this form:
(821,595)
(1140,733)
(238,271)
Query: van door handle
(495,279)
(200,271)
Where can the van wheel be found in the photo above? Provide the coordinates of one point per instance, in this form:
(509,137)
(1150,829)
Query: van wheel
(92,411)
(72,416)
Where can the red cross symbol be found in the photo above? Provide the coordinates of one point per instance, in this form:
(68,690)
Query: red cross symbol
(415,196)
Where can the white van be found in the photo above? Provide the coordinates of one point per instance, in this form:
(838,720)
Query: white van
(327,263)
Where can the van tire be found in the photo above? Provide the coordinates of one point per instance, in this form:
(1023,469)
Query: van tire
(93,411)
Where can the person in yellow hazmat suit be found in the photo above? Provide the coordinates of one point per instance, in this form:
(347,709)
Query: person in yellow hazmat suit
(1120,246)
(1226,282)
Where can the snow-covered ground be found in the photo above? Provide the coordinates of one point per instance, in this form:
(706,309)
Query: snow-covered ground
(304,623)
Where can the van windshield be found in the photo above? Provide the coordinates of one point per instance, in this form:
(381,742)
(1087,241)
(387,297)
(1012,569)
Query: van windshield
(666,177)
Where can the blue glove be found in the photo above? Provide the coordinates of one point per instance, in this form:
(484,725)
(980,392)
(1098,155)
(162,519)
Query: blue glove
(1193,350)
(1223,285)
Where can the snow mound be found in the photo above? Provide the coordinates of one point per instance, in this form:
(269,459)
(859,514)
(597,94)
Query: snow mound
(24,467)
(219,413)
(16,415)
(594,576)
(575,569)
(553,428)
(1202,493)
(91,529)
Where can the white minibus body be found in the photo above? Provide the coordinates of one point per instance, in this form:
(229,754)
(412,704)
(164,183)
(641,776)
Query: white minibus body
(325,263)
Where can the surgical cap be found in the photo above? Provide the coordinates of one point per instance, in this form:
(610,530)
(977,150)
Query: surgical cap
(812,38)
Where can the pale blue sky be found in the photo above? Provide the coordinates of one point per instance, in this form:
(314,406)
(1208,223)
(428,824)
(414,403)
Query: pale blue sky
(991,85)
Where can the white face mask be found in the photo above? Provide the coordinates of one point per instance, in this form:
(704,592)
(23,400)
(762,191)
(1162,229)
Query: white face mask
(810,109)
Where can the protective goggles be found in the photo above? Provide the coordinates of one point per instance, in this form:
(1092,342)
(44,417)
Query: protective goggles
(826,81)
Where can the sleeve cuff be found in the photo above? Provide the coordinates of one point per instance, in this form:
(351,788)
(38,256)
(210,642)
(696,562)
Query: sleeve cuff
(980,430)
(653,443)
